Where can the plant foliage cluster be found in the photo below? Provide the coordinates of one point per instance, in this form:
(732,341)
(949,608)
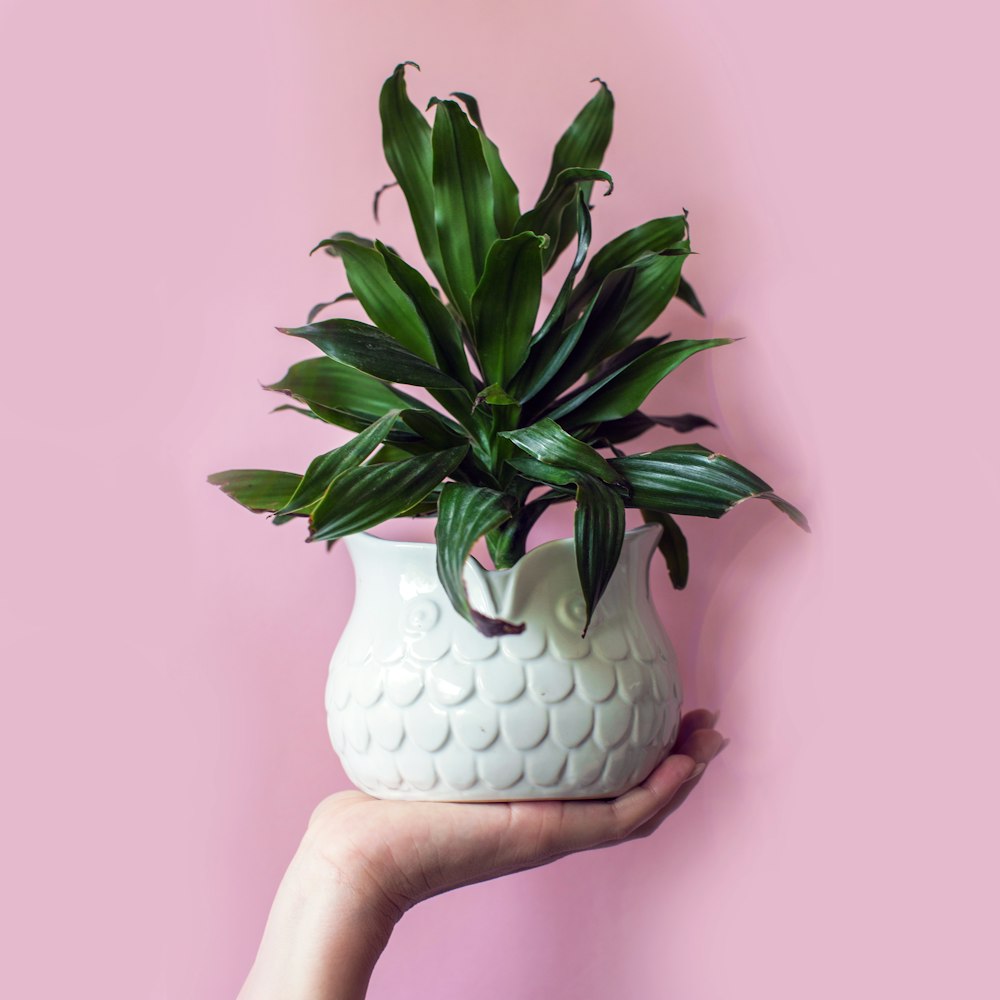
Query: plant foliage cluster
(524,408)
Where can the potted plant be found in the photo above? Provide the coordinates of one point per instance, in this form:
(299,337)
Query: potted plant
(548,676)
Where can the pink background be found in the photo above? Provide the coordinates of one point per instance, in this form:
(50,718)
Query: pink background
(166,168)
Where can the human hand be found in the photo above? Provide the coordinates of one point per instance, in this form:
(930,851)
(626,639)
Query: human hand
(403,852)
(363,862)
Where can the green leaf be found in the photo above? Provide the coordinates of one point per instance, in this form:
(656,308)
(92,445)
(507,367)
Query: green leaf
(629,298)
(465,514)
(583,144)
(495,395)
(434,428)
(627,428)
(557,314)
(655,285)
(361,498)
(371,351)
(673,545)
(506,210)
(687,294)
(256,489)
(540,472)
(623,391)
(624,250)
(340,387)
(627,355)
(463,203)
(554,213)
(505,305)
(690,479)
(329,248)
(507,543)
(562,364)
(406,140)
(598,530)
(388,453)
(546,441)
(387,305)
(325,468)
(295,409)
(444,331)
(377,197)
(320,306)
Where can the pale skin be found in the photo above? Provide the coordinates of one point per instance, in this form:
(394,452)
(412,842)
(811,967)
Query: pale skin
(364,862)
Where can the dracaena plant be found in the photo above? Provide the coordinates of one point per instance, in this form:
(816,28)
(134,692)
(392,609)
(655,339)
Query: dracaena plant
(530,410)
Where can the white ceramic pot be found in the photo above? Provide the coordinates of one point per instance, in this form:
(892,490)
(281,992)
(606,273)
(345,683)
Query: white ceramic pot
(422,706)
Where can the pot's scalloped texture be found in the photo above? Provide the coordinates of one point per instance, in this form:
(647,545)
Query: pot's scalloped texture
(422,706)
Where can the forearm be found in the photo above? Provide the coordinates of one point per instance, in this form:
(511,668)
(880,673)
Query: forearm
(322,939)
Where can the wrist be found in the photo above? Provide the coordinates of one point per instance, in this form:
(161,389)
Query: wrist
(346,882)
(325,932)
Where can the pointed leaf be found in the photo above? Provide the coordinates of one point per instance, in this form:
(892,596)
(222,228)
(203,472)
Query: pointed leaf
(627,355)
(320,306)
(558,313)
(325,468)
(361,498)
(555,212)
(371,351)
(628,300)
(495,395)
(687,294)
(560,361)
(465,514)
(406,140)
(387,305)
(690,479)
(583,144)
(540,472)
(295,409)
(256,489)
(620,393)
(552,344)
(624,250)
(673,545)
(388,453)
(377,197)
(506,210)
(627,428)
(463,202)
(444,331)
(338,386)
(507,543)
(598,530)
(434,428)
(655,285)
(505,305)
(549,443)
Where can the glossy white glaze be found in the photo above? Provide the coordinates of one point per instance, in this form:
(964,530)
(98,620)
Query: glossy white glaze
(422,706)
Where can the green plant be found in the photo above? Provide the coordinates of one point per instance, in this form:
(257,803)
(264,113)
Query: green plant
(522,414)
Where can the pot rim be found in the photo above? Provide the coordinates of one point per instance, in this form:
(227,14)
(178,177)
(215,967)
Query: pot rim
(552,544)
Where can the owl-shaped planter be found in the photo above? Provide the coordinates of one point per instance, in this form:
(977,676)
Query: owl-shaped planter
(422,706)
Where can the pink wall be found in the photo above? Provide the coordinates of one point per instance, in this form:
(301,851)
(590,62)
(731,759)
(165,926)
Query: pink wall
(167,168)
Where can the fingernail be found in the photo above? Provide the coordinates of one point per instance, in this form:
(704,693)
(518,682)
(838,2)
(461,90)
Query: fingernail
(715,716)
(722,746)
(698,769)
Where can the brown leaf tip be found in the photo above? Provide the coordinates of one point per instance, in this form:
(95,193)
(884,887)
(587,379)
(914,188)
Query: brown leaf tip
(493,627)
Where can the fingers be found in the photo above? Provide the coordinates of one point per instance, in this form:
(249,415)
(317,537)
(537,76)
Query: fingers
(640,811)
(589,824)
(704,746)
(699,718)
